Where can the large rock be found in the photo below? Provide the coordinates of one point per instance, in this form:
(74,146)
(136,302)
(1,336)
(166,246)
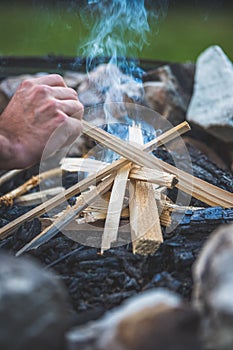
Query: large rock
(211,106)
(33,307)
(107,84)
(155,319)
(168,90)
(213,289)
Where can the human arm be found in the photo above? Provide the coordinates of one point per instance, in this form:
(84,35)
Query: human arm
(40,107)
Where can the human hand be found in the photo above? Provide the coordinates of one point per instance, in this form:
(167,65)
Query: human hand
(40,107)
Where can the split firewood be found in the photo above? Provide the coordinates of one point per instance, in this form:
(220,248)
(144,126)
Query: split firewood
(69,215)
(144,218)
(81,223)
(116,200)
(192,185)
(115,207)
(85,183)
(138,173)
(8,199)
(155,176)
(82,165)
(38,197)
(165,217)
(145,226)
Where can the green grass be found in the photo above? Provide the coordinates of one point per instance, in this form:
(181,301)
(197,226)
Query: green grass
(181,36)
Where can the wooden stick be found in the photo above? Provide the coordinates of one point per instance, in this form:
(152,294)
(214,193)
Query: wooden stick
(38,197)
(9,175)
(136,172)
(145,226)
(8,199)
(195,187)
(82,164)
(82,202)
(144,218)
(84,184)
(180,129)
(115,207)
(153,176)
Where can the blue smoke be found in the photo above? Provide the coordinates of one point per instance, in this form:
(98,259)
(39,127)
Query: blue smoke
(118,29)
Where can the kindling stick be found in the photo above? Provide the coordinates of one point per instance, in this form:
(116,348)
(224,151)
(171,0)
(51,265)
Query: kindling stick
(146,233)
(85,183)
(8,199)
(192,185)
(9,175)
(70,214)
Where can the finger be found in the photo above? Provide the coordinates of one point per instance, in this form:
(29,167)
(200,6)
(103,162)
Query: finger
(64,135)
(78,114)
(71,108)
(50,79)
(63,93)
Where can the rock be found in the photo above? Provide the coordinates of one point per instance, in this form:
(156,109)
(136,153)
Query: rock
(211,106)
(108,84)
(73,79)
(9,86)
(168,91)
(213,289)
(33,306)
(155,319)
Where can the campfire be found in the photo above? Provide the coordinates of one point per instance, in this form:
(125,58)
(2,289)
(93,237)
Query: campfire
(129,208)
(141,170)
(119,227)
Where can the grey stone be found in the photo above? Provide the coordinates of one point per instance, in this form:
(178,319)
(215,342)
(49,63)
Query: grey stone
(168,91)
(73,79)
(33,306)
(155,319)
(213,289)
(107,84)
(211,106)
(9,85)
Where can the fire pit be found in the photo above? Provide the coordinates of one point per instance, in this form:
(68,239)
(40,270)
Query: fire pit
(98,282)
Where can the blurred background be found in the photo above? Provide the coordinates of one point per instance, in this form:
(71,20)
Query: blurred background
(179,33)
